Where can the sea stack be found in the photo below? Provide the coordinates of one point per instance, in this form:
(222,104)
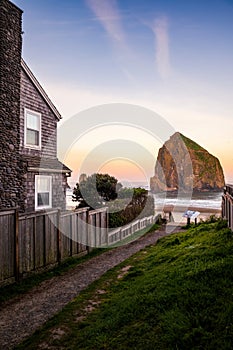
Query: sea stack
(184,165)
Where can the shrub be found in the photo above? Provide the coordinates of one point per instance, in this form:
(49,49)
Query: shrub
(221,224)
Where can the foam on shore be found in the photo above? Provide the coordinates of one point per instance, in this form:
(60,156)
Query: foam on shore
(182,208)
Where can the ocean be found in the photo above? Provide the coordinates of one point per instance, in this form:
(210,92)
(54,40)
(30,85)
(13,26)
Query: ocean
(204,200)
(69,203)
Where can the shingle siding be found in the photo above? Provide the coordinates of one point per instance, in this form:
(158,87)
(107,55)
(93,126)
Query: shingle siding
(31,99)
(59,183)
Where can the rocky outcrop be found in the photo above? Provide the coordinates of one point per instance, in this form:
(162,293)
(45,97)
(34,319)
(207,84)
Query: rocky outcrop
(184,165)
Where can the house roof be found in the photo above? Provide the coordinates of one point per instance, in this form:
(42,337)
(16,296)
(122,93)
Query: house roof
(40,164)
(39,88)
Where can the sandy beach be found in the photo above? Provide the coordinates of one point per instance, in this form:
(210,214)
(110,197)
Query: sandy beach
(178,212)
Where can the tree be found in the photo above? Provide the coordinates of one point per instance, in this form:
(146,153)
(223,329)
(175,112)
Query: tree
(86,195)
(140,205)
(125,204)
(107,186)
(93,191)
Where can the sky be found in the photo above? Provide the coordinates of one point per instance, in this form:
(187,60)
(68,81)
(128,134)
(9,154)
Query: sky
(174,58)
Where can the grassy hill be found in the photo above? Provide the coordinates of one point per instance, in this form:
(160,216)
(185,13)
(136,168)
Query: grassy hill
(175,295)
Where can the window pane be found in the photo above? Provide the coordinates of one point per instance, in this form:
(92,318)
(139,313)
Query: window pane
(32,137)
(43,184)
(33,121)
(43,194)
(42,199)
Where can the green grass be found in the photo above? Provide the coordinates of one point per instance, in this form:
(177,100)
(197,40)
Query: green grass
(177,294)
(191,144)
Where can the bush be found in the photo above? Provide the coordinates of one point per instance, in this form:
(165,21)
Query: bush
(141,205)
(226,232)
(221,224)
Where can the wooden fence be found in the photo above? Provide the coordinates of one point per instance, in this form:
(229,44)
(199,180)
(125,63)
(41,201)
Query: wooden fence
(227,205)
(30,242)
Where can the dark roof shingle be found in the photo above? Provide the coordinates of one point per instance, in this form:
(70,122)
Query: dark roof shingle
(45,164)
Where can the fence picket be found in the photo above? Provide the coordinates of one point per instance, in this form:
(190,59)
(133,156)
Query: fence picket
(29,242)
(16,245)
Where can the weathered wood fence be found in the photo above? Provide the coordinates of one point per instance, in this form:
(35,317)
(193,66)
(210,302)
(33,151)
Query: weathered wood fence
(227,205)
(34,241)
(31,242)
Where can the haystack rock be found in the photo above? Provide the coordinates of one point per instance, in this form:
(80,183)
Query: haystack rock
(184,165)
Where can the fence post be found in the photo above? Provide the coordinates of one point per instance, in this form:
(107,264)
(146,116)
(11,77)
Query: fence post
(107,225)
(59,236)
(16,260)
(44,240)
(89,231)
(121,236)
(71,236)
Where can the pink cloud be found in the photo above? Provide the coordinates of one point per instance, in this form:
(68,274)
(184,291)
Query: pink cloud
(160,29)
(107,12)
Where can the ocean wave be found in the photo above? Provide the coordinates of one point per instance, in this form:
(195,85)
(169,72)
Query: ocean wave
(201,200)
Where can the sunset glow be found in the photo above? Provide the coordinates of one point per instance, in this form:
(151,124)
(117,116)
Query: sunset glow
(174,58)
(125,171)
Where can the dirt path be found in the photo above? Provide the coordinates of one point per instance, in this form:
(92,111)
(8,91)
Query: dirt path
(20,317)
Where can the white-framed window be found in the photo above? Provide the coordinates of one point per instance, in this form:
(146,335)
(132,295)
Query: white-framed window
(43,192)
(32,130)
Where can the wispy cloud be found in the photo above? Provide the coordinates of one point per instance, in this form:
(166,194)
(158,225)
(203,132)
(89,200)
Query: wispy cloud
(108,14)
(111,17)
(160,28)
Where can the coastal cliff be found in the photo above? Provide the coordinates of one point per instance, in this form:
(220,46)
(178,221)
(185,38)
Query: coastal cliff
(183,165)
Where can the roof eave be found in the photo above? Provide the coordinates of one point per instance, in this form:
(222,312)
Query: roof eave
(39,88)
(48,170)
